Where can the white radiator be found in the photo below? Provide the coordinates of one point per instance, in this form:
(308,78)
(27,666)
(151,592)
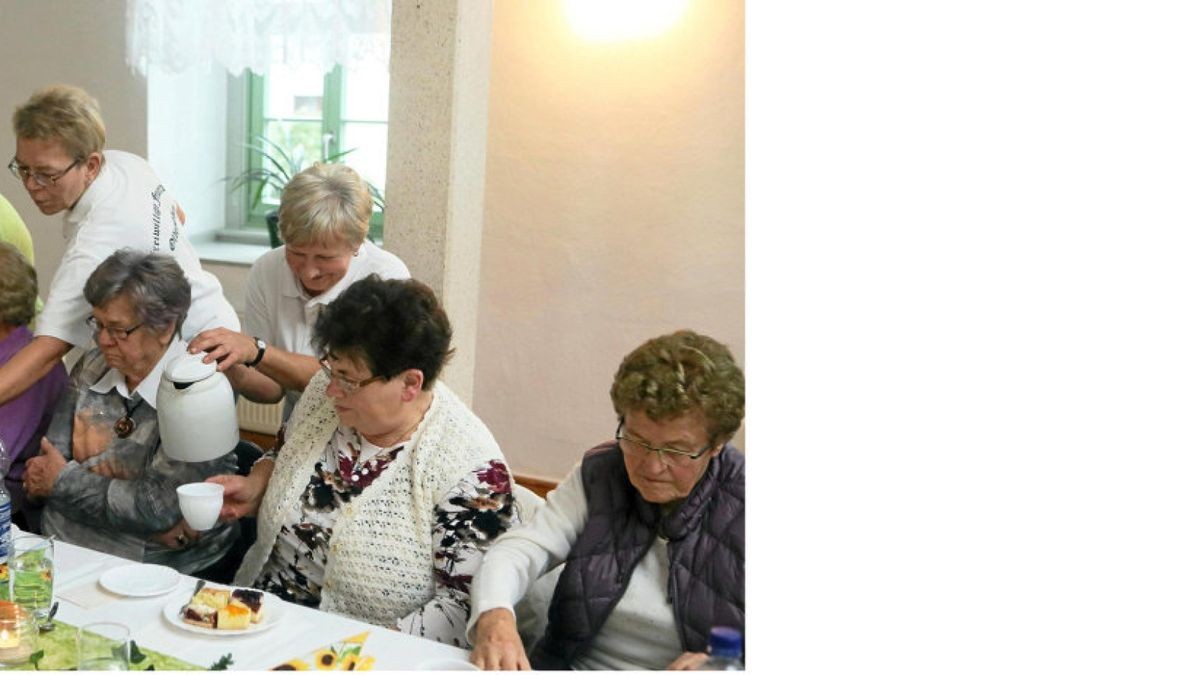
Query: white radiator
(264,419)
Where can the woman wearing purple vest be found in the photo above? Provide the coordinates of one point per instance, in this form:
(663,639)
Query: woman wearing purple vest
(24,419)
(649,528)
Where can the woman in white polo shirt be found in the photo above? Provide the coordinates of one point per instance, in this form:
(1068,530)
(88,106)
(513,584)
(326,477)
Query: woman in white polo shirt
(324,215)
(110,200)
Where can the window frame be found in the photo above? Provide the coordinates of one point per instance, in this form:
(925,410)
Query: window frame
(253,88)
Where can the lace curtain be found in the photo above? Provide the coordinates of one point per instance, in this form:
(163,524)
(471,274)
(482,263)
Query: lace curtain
(178,34)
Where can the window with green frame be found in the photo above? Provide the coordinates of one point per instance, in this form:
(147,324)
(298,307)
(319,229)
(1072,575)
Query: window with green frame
(312,116)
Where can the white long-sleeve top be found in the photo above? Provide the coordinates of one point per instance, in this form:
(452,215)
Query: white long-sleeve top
(640,634)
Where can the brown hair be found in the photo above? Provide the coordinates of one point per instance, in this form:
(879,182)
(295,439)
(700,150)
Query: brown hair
(673,374)
(62,112)
(18,287)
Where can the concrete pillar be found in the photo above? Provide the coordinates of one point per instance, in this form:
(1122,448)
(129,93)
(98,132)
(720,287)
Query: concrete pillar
(437,142)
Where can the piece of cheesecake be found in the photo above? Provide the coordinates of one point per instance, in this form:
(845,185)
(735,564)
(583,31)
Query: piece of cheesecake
(234,616)
(212,597)
(251,599)
(200,615)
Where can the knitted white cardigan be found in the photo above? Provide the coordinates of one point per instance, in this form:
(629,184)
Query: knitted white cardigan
(380,565)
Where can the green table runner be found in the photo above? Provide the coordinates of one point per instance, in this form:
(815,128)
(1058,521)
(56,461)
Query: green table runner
(58,653)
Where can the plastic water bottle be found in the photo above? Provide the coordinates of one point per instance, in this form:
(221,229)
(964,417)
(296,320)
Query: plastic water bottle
(724,649)
(5,509)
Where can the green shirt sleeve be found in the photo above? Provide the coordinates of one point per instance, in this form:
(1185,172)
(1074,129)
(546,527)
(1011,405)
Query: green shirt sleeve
(13,231)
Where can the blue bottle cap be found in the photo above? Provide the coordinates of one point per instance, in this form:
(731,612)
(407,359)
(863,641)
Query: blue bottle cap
(725,641)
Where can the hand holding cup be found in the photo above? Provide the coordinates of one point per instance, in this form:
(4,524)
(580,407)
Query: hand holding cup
(201,504)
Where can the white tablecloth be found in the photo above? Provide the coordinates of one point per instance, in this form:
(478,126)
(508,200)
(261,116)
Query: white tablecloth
(299,632)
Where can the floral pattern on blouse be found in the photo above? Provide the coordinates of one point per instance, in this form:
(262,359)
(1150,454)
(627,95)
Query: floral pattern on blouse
(477,510)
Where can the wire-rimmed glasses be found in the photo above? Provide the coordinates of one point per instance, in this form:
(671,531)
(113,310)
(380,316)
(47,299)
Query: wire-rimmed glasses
(347,385)
(23,173)
(668,456)
(115,333)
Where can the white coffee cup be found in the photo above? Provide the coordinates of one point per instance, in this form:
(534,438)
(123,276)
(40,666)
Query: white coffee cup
(201,503)
(444,663)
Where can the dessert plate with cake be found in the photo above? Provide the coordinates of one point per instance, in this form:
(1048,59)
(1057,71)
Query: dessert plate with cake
(213,609)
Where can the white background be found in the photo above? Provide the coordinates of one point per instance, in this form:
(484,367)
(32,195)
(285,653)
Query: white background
(973,295)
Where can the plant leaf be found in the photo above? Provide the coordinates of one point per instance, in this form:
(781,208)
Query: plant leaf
(337,155)
(135,654)
(222,663)
(35,657)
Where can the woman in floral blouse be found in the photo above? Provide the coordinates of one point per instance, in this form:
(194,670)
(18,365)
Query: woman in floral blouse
(383,475)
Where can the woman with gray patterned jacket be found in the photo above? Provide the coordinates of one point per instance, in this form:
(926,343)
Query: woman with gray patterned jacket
(106,483)
(649,528)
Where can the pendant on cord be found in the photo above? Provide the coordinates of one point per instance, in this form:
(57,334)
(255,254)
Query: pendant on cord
(124,426)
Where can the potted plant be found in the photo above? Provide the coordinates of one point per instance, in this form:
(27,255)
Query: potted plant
(275,168)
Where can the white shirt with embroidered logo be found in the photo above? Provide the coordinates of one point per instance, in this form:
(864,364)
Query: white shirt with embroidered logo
(126,207)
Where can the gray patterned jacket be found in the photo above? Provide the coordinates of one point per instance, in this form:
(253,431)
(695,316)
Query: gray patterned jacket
(119,516)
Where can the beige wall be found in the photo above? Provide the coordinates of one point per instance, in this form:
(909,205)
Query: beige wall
(614,198)
(614,213)
(79,42)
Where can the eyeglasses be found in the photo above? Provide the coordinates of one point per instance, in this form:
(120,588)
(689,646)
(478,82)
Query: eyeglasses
(115,333)
(348,386)
(668,456)
(23,173)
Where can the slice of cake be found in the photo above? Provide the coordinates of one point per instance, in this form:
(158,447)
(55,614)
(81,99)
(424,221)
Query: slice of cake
(211,597)
(200,615)
(251,599)
(224,609)
(234,616)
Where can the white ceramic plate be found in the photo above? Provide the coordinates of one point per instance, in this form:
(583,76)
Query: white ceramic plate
(140,581)
(273,609)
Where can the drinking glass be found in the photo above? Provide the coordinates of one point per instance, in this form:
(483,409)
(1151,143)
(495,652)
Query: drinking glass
(18,635)
(103,645)
(31,575)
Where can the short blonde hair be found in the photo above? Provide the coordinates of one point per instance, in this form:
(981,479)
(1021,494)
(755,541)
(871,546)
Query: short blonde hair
(672,375)
(18,287)
(323,203)
(62,112)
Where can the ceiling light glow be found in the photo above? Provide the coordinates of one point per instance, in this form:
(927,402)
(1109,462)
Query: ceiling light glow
(614,20)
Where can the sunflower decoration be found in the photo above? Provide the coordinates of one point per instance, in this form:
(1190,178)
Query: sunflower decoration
(327,659)
(354,662)
(343,655)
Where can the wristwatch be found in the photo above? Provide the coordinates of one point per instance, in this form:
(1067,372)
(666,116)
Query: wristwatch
(262,349)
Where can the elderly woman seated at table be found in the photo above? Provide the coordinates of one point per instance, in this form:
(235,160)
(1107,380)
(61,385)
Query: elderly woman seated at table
(106,482)
(386,489)
(650,527)
(24,419)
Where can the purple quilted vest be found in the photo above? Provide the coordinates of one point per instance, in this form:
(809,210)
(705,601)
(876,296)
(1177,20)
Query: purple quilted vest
(706,552)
